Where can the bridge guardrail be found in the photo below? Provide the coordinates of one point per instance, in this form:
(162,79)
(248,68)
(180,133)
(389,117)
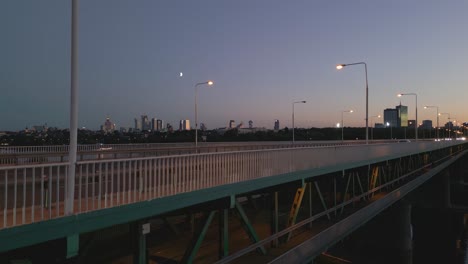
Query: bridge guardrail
(33,193)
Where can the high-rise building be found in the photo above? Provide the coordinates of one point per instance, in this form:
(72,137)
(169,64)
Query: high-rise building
(154,124)
(402,115)
(108,126)
(277,125)
(137,124)
(145,123)
(390,117)
(184,124)
(159,125)
(232,124)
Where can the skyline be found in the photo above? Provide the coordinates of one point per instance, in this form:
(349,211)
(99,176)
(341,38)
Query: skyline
(262,56)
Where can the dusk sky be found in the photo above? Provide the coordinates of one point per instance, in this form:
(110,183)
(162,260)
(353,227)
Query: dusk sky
(262,56)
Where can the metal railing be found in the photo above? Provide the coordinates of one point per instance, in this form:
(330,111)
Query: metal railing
(32,193)
(53,154)
(93,147)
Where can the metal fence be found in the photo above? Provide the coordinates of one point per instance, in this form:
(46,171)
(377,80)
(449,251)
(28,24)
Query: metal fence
(32,193)
(53,154)
(202,145)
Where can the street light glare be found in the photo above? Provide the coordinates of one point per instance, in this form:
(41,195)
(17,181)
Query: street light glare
(339,66)
(351,111)
(399,95)
(210,82)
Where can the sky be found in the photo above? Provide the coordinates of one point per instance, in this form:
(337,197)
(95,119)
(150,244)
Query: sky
(262,56)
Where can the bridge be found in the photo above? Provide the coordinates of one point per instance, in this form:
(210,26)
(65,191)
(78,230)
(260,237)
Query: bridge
(315,194)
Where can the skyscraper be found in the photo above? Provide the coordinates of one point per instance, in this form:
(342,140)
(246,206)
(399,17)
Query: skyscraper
(108,126)
(154,124)
(402,115)
(159,125)
(277,125)
(145,123)
(184,124)
(137,124)
(390,117)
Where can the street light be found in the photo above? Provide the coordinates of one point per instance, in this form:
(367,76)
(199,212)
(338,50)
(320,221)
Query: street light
(342,123)
(298,102)
(433,106)
(391,132)
(372,128)
(416,124)
(209,83)
(341,66)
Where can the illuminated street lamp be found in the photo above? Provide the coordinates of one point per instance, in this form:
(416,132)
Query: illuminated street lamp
(341,66)
(342,123)
(416,124)
(209,83)
(433,106)
(373,125)
(391,132)
(298,102)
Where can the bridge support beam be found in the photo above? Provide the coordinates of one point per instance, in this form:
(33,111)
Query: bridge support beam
(223,233)
(139,230)
(197,239)
(73,244)
(249,228)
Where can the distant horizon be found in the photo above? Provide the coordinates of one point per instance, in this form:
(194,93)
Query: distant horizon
(138,57)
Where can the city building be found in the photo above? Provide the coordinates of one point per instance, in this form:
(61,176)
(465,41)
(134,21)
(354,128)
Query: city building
(426,124)
(390,117)
(184,124)
(137,124)
(108,126)
(411,123)
(232,124)
(159,125)
(379,125)
(250,124)
(154,124)
(402,115)
(277,125)
(145,123)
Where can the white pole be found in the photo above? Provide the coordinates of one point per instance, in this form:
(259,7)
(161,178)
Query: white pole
(73,111)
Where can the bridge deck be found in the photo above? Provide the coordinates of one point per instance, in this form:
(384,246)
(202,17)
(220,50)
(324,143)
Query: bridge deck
(192,179)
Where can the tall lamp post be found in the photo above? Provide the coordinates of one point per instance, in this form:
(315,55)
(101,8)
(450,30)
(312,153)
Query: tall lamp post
(437,108)
(342,124)
(373,125)
(69,201)
(391,132)
(416,124)
(341,66)
(209,83)
(298,102)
